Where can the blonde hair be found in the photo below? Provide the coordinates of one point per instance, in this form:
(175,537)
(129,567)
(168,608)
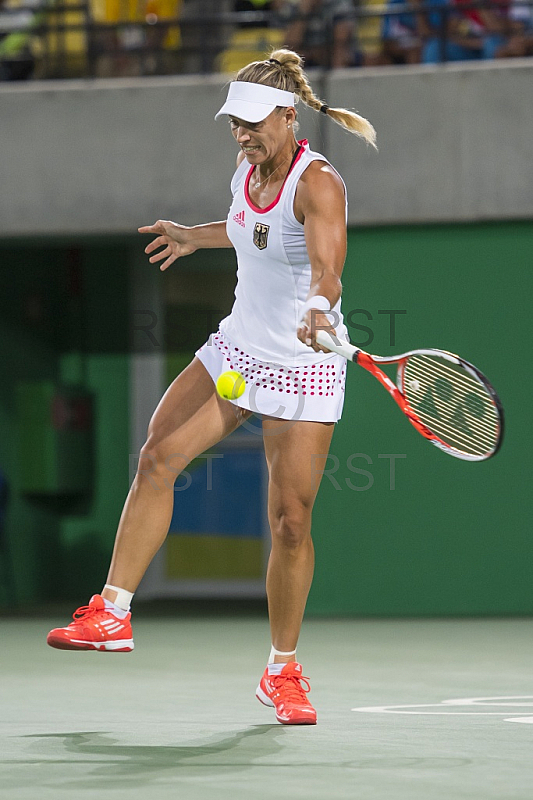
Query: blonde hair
(288,74)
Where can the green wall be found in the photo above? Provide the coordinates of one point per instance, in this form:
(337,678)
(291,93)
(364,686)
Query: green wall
(27,352)
(87,534)
(63,318)
(453,537)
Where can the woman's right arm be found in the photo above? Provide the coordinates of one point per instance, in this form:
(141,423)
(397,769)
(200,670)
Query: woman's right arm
(180,240)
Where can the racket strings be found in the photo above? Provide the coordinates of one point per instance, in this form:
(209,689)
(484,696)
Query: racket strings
(452,403)
(464,400)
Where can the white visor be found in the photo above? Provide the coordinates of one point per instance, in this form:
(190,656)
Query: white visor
(253,102)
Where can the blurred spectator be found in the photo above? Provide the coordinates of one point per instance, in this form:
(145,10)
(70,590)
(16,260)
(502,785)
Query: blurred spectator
(203,38)
(140,44)
(369,36)
(63,45)
(322,31)
(401,35)
(267,7)
(17,60)
(252,40)
(470,33)
(520,41)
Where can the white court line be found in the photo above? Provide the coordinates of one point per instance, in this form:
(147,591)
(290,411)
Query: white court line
(444,706)
(487,701)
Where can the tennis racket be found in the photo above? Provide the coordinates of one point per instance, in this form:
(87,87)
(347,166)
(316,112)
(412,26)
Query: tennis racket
(448,400)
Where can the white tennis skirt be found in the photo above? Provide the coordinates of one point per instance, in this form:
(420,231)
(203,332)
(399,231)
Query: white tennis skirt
(313,393)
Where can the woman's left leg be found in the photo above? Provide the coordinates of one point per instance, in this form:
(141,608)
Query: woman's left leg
(296,453)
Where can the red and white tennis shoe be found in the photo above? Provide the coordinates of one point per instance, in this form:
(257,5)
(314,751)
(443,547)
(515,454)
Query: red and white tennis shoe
(287,695)
(94,628)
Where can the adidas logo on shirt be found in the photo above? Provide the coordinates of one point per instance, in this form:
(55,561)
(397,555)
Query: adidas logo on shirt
(239,219)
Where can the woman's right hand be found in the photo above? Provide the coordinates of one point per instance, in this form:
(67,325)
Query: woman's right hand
(174,238)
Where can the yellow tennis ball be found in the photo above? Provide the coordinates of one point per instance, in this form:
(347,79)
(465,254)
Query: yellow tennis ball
(230,385)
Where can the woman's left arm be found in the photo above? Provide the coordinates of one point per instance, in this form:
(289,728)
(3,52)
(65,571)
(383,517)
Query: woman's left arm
(320,205)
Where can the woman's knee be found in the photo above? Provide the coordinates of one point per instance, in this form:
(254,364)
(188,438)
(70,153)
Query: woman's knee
(290,525)
(159,465)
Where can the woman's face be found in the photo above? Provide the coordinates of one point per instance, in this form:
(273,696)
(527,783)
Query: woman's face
(263,141)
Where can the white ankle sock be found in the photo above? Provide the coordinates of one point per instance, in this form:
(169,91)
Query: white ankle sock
(115,610)
(123,598)
(274,652)
(275,669)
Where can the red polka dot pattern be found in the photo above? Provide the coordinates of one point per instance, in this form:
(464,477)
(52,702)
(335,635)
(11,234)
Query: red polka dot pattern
(315,380)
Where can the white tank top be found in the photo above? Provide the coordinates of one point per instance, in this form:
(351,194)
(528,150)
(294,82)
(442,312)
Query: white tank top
(273,271)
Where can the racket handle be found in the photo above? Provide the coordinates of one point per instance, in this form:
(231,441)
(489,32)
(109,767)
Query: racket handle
(336,345)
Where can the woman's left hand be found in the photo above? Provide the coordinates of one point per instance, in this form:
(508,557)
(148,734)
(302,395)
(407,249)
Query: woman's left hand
(313,320)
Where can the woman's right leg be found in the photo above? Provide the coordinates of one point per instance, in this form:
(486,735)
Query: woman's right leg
(190,418)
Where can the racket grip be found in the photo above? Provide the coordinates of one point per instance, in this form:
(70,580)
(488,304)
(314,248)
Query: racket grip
(336,345)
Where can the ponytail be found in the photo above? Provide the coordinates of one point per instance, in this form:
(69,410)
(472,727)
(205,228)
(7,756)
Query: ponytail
(284,70)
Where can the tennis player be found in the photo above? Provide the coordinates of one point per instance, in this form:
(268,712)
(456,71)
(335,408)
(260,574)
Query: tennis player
(287,223)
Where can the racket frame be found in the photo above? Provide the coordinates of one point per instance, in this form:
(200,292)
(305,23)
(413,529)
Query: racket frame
(370,362)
